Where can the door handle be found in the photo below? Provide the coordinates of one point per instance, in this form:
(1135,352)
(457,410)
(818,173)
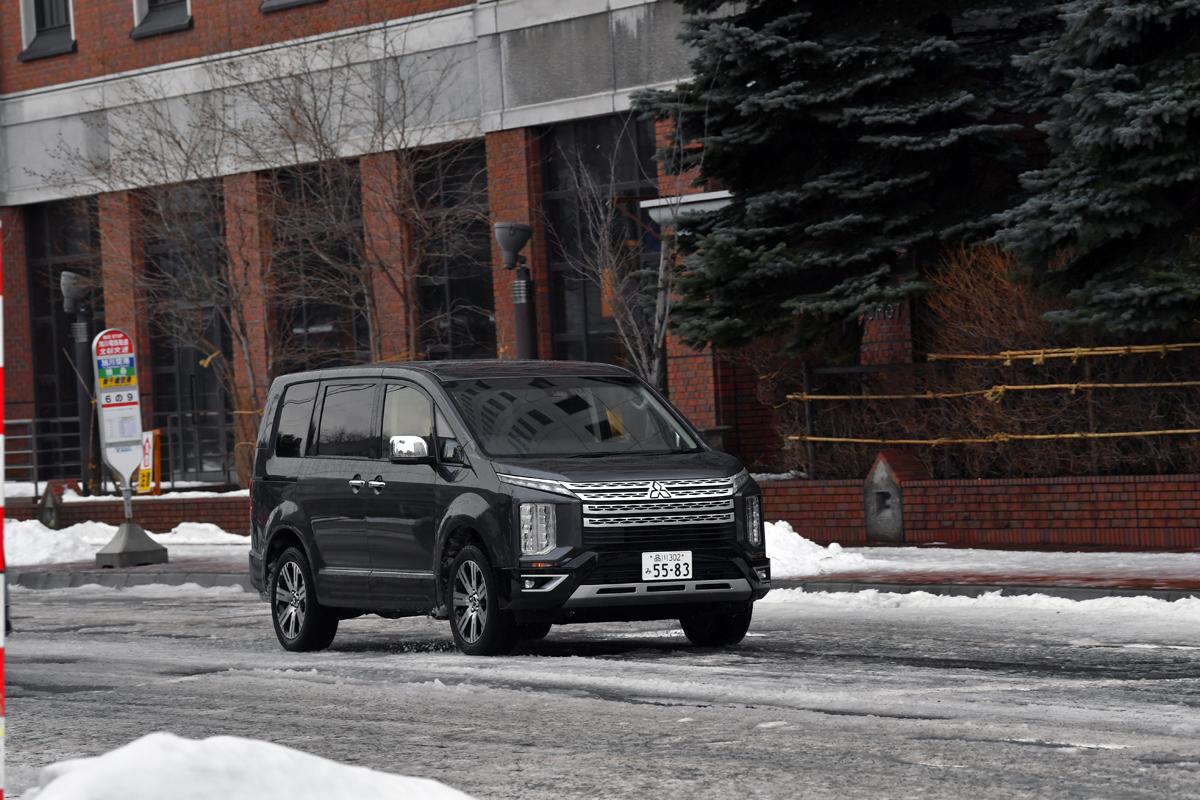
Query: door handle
(377,484)
(356,483)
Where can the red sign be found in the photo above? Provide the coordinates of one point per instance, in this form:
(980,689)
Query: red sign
(114,343)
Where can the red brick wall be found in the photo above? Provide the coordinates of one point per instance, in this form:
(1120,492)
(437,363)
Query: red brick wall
(104,46)
(385,240)
(157,516)
(1134,512)
(514,174)
(18,347)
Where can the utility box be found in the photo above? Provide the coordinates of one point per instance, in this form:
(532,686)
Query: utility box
(883,494)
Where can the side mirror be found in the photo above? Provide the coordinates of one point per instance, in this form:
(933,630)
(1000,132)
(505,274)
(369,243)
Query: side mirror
(409,450)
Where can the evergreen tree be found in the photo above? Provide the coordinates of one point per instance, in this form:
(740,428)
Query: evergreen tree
(858,139)
(1115,211)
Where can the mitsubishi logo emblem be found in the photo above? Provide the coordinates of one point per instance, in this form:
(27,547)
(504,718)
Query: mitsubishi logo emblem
(658,491)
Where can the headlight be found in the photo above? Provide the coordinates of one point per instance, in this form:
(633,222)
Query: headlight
(538,535)
(541,485)
(740,480)
(754,529)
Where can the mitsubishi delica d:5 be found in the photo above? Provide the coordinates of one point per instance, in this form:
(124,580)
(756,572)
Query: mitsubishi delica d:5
(503,496)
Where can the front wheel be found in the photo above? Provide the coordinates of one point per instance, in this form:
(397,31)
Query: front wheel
(480,628)
(301,623)
(719,626)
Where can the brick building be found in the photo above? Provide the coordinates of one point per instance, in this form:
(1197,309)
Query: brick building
(525,90)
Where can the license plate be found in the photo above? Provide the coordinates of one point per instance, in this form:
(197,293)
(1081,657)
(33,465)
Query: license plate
(667,565)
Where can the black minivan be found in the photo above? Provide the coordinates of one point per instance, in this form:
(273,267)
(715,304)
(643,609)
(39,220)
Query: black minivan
(504,496)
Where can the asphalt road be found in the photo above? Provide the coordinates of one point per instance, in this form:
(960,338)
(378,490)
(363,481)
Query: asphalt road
(829,697)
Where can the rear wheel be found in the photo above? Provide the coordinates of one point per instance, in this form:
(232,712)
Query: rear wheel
(301,623)
(719,626)
(480,628)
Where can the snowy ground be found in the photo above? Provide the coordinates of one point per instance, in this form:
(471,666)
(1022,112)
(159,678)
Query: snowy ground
(28,542)
(847,696)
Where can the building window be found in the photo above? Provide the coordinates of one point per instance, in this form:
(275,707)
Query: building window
(457,309)
(190,365)
(61,236)
(156,17)
(615,153)
(46,29)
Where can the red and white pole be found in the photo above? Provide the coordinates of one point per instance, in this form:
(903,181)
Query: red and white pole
(3,588)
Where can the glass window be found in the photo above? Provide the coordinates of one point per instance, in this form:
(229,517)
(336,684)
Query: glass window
(50,14)
(406,412)
(294,418)
(448,446)
(568,416)
(346,428)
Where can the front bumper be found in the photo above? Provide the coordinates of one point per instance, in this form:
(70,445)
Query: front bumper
(586,584)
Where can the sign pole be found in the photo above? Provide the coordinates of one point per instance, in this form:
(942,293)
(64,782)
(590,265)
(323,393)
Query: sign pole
(120,418)
(3,587)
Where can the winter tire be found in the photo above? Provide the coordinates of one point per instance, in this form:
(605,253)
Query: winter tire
(718,626)
(301,623)
(480,628)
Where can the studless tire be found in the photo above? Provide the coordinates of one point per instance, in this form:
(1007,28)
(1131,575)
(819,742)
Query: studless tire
(480,628)
(301,623)
(718,626)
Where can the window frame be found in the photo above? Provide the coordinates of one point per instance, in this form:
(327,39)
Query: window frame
(45,43)
(159,17)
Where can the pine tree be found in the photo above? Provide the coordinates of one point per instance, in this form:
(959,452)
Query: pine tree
(1116,211)
(857,138)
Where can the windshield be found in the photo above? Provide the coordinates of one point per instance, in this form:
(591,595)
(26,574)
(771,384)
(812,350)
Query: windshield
(567,416)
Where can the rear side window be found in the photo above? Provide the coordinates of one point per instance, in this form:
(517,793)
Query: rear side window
(346,425)
(294,418)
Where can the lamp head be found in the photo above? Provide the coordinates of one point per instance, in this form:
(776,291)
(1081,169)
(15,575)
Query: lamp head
(74,290)
(512,237)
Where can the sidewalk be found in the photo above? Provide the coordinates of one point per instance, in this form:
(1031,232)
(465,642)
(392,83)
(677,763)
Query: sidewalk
(204,572)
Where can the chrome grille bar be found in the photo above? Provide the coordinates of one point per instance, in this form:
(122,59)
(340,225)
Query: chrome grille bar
(666,503)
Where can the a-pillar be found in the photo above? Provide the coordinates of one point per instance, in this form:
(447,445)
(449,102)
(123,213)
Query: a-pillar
(248,245)
(386,241)
(18,332)
(122,263)
(515,195)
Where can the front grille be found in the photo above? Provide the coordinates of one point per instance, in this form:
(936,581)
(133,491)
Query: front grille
(678,503)
(661,538)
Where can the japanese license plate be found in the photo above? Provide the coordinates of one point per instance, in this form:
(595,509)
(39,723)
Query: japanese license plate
(667,565)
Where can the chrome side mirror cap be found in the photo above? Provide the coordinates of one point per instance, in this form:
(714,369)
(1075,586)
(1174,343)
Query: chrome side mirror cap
(408,449)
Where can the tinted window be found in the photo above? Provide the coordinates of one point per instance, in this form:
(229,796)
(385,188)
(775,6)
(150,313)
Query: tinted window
(567,416)
(346,428)
(294,418)
(406,412)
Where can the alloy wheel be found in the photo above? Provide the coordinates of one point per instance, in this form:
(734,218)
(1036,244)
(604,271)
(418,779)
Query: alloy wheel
(470,601)
(291,599)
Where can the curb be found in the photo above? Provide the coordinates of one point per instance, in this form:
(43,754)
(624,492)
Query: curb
(977,589)
(115,579)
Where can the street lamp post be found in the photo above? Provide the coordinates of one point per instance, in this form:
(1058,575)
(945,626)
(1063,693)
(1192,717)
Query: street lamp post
(75,293)
(512,237)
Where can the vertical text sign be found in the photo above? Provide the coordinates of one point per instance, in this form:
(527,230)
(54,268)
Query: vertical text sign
(117,404)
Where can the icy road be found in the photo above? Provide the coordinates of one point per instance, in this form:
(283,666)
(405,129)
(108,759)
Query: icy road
(831,696)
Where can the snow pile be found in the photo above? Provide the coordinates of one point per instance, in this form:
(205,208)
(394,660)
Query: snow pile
(29,542)
(231,768)
(793,556)
(71,496)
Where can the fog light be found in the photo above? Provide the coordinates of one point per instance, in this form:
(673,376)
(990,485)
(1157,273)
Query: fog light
(538,535)
(764,574)
(754,529)
(530,584)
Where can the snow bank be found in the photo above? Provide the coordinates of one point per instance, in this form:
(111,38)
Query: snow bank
(29,542)
(1186,610)
(793,556)
(72,496)
(231,768)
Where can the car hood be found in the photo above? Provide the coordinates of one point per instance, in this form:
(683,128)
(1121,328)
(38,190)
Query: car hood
(705,464)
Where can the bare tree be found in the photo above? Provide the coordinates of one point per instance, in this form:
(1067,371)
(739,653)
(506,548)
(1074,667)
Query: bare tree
(297,116)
